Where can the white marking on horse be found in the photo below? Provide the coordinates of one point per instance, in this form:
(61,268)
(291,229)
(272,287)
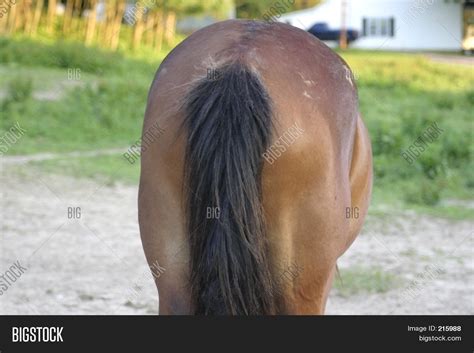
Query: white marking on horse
(305,81)
(348,75)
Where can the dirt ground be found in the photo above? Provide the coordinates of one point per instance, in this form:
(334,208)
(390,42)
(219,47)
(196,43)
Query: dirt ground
(94,263)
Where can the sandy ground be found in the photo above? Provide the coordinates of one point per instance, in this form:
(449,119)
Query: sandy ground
(95,264)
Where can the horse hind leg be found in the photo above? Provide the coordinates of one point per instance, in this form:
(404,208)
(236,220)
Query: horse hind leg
(361,176)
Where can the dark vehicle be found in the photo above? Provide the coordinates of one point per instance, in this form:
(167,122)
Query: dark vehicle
(323,32)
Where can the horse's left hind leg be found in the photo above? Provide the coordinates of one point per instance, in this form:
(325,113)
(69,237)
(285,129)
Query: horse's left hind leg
(360,180)
(312,221)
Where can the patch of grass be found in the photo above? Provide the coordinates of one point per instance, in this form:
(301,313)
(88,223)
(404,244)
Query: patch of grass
(108,169)
(409,252)
(42,78)
(359,280)
(395,197)
(401,95)
(104,109)
(448,212)
(109,114)
(19,90)
(63,54)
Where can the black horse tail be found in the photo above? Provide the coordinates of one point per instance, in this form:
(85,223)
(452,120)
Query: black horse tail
(228,124)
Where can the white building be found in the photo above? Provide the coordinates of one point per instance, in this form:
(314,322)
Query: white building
(391,24)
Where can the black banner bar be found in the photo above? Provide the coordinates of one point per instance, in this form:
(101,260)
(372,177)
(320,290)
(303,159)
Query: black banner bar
(294,334)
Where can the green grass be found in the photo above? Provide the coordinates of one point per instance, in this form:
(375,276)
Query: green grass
(107,169)
(104,108)
(449,212)
(361,280)
(400,96)
(70,54)
(391,197)
(41,78)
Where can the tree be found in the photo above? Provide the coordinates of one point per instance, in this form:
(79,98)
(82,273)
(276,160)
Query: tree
(91,22)
(51,16)
(304,4)
(252,9)
(117,24)
(264,9)
(37,16)
(67,17)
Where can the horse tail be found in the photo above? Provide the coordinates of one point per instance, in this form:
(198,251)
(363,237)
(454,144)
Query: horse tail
(228,123)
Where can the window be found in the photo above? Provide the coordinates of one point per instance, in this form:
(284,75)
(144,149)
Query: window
(378,27)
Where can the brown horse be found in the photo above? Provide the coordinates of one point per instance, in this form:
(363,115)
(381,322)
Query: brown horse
(262,176)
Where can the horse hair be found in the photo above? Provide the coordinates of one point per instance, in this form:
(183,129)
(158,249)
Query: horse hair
(228,121)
